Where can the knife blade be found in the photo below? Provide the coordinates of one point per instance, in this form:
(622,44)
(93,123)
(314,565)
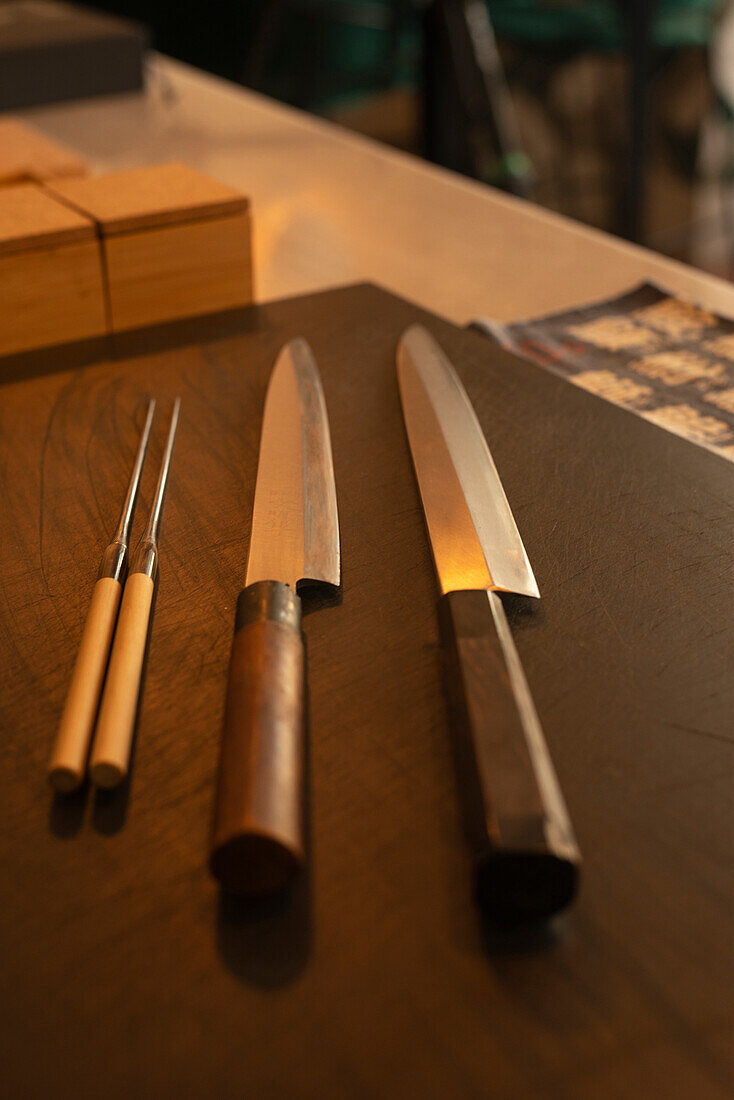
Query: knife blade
(258,836)
(526,861)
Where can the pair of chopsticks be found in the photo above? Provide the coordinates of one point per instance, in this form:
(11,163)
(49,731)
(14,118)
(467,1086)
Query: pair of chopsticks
(115,722)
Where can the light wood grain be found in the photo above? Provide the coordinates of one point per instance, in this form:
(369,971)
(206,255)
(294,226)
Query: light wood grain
(176,243)
(331,207)
(31,218)
(149,197)
(69,757)
(178,271)
(113,737)
(50,296)
(27,154)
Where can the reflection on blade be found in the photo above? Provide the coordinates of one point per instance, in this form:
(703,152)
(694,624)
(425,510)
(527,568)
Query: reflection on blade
(474,538)
(295,527)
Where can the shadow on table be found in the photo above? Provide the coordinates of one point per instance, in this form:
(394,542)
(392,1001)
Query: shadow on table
(66,812)
(526,939)
(265,942)
(37,362)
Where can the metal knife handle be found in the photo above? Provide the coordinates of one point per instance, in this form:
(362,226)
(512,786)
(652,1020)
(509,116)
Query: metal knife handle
(527,861)
(258,843)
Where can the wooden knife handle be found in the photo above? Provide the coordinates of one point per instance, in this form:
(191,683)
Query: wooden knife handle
(258,843)
(527,861)
(69,757)
(110,759)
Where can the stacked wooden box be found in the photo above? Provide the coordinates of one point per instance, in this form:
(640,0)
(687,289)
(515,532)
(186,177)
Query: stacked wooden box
(175,243)
(51,289)
(83,256)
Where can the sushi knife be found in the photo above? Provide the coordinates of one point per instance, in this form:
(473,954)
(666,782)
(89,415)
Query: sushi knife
(526,860)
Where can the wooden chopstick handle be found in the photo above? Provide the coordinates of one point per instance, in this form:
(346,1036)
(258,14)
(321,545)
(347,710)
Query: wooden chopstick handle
(69,757)
(110,758)
(258,844)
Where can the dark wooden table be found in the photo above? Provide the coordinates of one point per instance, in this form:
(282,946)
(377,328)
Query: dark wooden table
(124,973)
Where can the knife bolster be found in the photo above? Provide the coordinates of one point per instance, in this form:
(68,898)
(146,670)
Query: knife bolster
(258,838)
(268,601)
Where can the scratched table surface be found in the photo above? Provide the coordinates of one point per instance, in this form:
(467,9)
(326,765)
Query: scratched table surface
(125,973)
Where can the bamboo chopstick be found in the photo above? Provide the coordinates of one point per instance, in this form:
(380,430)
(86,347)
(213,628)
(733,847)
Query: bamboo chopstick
(69,754)
(110,757)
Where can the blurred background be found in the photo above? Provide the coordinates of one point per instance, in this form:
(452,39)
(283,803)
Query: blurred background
(619,113)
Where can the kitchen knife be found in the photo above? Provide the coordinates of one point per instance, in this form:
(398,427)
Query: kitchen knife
(258,843)
(527,861)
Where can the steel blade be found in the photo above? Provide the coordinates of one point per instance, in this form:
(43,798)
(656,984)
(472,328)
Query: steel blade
(295,526)
(474,537)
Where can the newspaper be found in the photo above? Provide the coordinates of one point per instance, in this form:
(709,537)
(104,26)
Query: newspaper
(657,355)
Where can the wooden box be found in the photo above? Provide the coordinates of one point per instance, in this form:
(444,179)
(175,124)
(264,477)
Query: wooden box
(28,155)
(176,243)
(51,289)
